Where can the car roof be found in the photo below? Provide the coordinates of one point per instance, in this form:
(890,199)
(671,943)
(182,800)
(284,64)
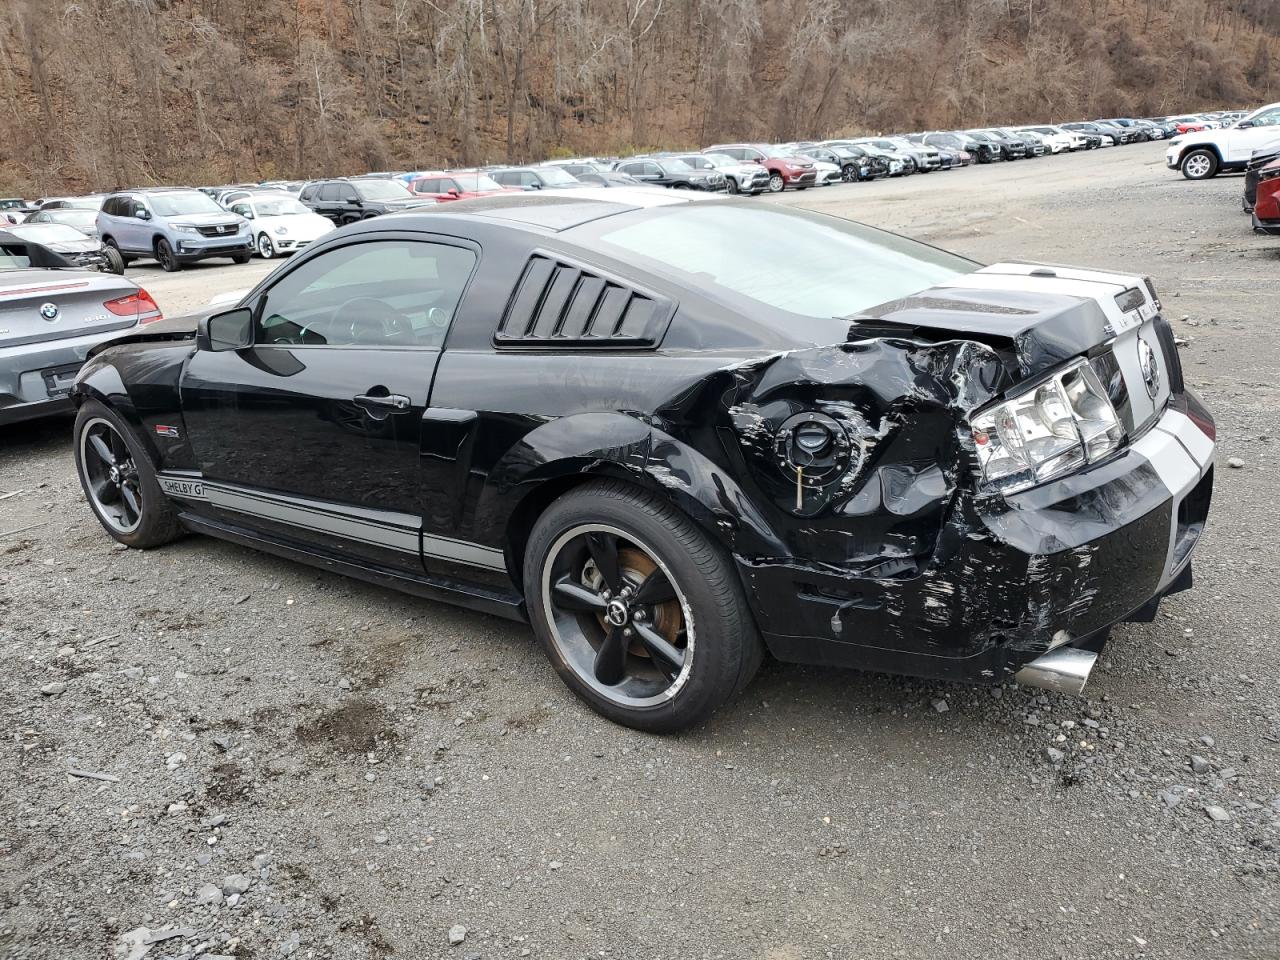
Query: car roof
(550,210)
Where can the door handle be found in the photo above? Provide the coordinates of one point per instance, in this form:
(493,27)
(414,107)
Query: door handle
(393,401)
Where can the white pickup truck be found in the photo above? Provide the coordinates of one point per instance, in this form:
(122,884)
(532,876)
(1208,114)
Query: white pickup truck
(1209,152)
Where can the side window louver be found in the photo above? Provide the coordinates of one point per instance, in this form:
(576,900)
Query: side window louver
(562,305)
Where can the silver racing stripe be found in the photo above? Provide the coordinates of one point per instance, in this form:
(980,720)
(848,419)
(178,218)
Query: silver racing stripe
(386,529)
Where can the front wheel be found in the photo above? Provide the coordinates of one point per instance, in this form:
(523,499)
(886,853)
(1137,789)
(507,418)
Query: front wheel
(119,480)
(266,249)
(642,615)
(115,262)
(164,256)
(731,185)
(241,257)
(1200,165)
(848,173)
(776,183)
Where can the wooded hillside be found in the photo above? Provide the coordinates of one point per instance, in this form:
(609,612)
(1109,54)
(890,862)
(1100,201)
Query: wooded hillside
(104,93)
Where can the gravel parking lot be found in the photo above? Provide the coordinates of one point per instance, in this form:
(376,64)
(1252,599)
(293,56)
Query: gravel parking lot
(273,761)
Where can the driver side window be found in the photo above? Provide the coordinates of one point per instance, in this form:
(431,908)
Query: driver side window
(381,293)
(1268,119)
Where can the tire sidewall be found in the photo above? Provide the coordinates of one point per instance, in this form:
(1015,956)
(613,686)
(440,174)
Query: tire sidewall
(718,633)
(270,252)
(158,523)
(1212,169)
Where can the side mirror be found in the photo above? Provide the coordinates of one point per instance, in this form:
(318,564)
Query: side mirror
(142,213)
(1244,124)
(535,185)
(232,330)
(453,191)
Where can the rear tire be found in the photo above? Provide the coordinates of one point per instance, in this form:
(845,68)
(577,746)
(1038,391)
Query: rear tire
(140,516)
(578,599)
(1199,165)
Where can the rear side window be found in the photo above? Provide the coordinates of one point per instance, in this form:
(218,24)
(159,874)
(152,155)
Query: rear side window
(331,191)
(561,304)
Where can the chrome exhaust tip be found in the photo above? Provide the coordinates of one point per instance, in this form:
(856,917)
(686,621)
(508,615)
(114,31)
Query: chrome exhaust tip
(1065,669)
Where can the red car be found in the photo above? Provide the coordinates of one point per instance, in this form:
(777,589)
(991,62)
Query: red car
(1266,209)
(1190,124)
(785,169)
(448,185)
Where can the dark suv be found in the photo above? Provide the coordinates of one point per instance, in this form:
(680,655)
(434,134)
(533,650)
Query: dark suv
(671,172)
(347,200)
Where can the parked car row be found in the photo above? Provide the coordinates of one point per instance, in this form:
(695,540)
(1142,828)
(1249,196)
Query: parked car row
(176,226)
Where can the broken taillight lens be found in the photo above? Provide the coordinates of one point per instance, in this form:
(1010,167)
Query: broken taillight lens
(1043,433)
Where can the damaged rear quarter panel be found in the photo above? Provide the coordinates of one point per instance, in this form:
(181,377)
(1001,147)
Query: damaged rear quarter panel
(895,554)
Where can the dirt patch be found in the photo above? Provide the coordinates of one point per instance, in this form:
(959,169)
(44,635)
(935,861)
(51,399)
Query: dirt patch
(358,726)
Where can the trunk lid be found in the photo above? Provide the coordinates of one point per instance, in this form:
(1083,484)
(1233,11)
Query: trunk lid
(1046,315)
(38,305)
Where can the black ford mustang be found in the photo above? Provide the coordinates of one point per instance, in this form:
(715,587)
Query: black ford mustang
(675,433)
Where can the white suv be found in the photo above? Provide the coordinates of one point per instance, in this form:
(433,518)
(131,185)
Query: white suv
(1206,154)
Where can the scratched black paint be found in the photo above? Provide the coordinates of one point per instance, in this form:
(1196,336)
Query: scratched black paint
(898,564)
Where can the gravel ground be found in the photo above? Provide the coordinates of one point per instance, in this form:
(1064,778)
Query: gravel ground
(275,761)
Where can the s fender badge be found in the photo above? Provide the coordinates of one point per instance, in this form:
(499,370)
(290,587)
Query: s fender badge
(166,431)
(191,489)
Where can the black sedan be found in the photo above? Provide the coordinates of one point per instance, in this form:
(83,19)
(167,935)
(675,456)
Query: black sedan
(676,432)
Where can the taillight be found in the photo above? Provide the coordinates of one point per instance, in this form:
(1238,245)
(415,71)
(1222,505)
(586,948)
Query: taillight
(140,305)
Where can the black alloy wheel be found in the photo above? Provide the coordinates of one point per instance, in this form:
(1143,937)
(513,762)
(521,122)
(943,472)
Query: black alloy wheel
(119,481)
(849,173)
(164,256)
(641,615)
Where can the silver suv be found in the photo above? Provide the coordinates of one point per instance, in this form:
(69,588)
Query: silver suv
(175,226)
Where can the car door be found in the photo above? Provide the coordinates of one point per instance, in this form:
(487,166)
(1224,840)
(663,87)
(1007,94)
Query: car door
(1242,141)
(133,233)
(329,201)
(312,434)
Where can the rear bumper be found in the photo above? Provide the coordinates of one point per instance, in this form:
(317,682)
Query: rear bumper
(1056,565)
(1269,227)
(29,387)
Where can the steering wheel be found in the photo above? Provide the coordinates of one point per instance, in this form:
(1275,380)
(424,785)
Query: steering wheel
(375,320)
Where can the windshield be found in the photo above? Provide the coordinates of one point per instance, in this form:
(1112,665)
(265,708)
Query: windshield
(278,206)
(75,217)
(776,152)
(800,262)
(722,159)
(181,204)
(556,177)
(985,138)
(47,232)
(381,190)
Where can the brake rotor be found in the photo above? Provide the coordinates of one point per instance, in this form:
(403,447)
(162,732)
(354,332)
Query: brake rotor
(636,566)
